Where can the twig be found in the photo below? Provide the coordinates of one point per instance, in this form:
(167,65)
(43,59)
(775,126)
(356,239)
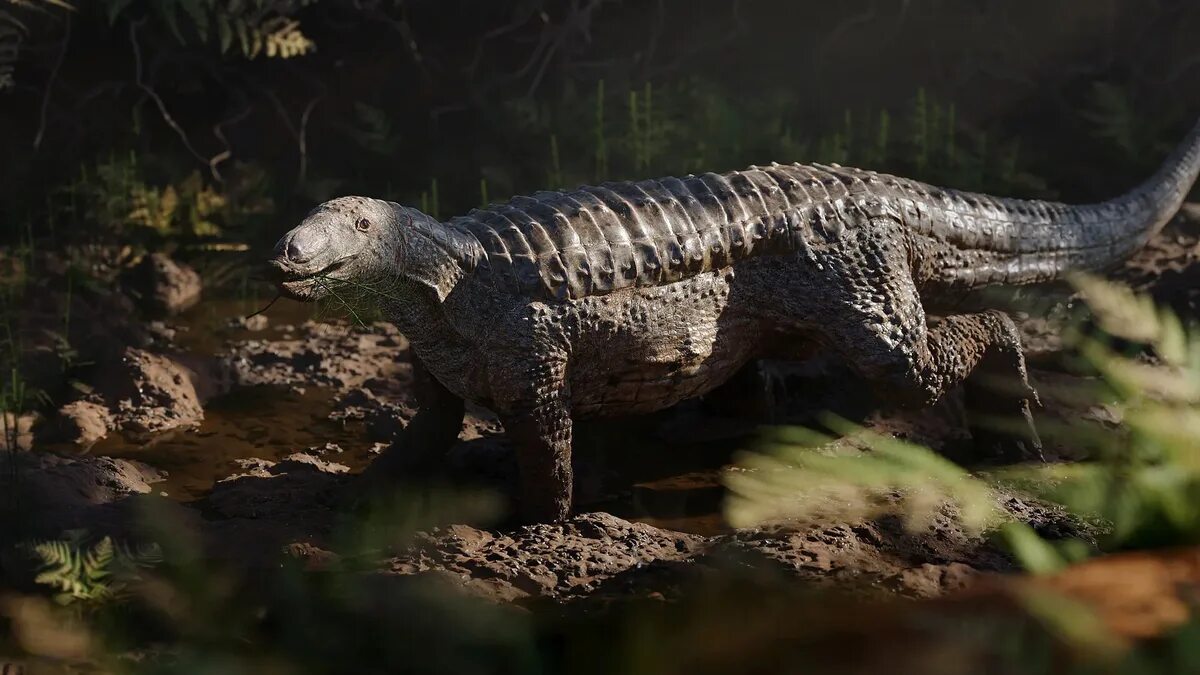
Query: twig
(509,27)
(580,18)
(219,132)
(162,107)
(302,140)
(272,302)
(62,54)
(300,133)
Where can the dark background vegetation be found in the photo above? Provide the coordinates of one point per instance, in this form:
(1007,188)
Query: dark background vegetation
(458,98)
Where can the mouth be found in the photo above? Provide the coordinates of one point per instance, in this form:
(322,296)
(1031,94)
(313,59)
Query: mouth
(302,286)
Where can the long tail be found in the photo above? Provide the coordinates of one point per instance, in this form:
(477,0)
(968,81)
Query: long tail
(1013,241)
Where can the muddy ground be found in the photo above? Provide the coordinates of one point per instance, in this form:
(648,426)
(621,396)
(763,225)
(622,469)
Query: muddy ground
(247,432)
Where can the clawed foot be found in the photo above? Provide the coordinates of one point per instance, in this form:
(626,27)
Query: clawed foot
(1003,429)
(1008,447)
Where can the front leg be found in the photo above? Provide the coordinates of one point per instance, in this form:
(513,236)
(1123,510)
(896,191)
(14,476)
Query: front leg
(420,448)
(538,422)
(542,439)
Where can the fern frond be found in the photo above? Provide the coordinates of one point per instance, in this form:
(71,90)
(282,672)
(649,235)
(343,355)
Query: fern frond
(77,574)
(95,573)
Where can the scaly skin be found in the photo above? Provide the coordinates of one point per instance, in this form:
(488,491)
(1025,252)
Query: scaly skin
(630,297)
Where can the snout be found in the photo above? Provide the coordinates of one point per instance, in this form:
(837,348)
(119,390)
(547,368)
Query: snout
(304,244)
(297,257)
(300,247)
(304,257)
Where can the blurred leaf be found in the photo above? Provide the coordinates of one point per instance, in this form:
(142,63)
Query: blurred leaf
(797,476)
(1035,554)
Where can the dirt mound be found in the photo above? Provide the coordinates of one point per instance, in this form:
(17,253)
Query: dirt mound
(164,287)
(320,354)
(546,561)
(54,492)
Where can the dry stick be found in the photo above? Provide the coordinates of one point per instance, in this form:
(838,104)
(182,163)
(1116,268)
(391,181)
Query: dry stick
(302,140)
(272,302)
(219,132)
(162,107)
(300,134)
(62,55)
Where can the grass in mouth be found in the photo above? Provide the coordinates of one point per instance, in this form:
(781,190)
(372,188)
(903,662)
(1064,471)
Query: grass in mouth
(362,300)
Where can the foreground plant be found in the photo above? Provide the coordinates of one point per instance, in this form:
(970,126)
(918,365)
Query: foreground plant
(1140,485)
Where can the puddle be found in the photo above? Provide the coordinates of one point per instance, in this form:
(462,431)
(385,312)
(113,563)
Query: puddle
(264,422)
(666,482)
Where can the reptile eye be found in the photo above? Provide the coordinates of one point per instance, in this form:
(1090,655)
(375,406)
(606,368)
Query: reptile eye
(362,225)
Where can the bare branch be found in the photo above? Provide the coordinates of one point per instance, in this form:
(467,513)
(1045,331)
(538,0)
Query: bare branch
(302,174)
(62,54)
(219,132)
(162,107)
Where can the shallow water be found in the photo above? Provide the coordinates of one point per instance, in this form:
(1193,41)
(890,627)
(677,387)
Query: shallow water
(630,468)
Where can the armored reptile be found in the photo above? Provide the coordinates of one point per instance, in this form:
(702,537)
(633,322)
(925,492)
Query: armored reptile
(629,297)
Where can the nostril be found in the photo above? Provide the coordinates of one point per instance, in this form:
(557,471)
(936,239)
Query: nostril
(295,253)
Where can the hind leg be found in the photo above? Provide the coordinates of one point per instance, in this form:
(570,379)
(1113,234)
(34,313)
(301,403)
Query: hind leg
(888,339)
(863,301)
(998,394)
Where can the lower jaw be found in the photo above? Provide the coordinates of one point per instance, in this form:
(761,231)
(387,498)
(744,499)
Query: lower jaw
(297,290)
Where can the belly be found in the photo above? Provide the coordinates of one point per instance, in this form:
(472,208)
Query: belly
(643,350)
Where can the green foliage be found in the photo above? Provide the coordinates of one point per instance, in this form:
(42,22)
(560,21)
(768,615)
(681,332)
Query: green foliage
(691,126)
(362,300)
(933,146)
(1144,483)
(216,619)
(253,27)
(806,474)
(93,573)
(1141,488)
(118,197)
(1118,119)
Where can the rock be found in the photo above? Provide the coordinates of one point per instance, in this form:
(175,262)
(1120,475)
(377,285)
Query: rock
(928,581)
(548,561)
(326,449)
(161,332)
(302,459)
(151,393)
(254,324)
(282,491)
(164,286)
(81,423)
(56,492)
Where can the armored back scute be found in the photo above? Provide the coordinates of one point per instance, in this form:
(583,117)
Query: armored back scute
(596,240)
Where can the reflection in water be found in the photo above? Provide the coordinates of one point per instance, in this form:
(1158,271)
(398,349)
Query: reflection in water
(264,422)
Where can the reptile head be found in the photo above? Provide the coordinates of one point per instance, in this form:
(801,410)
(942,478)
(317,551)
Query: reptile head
(343,240)
(363,241)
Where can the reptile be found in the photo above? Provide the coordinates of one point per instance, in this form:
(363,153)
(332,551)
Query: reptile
(629,297)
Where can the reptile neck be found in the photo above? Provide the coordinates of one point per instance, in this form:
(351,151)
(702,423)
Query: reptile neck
(432,253)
